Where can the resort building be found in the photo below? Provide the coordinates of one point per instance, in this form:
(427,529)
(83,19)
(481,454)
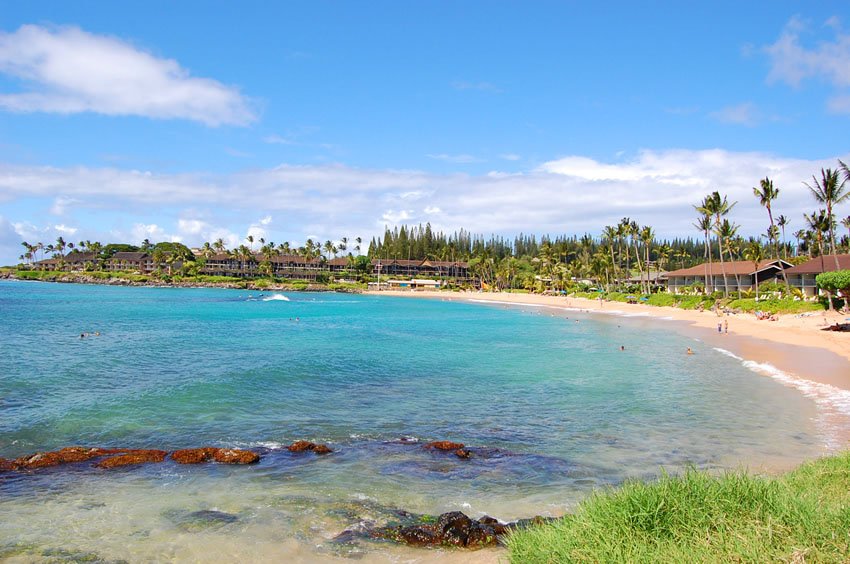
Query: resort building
(803,275)
(739,275)
(130,261)
(419,273)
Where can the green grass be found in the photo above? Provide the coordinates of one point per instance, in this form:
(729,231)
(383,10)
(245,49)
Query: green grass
(801,516)
(774,305)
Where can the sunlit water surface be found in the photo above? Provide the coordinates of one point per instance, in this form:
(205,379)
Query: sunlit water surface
(550,399)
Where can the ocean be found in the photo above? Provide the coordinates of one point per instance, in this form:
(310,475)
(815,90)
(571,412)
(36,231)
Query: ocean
(554,403)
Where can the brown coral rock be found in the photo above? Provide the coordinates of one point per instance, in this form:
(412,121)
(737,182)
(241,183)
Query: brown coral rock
(130,457)
(462,453)
(235,456)
(302,446)
(66,455)
(444,445)
(193,455)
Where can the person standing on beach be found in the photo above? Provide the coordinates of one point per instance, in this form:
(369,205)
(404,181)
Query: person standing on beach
(726,326)
(719,327)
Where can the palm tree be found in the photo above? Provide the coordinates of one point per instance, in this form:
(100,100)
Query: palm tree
(846,223)
(755,253)
(782,221)
(726,233)
(647,235)
(717,206)
(830,192)
(60,250)
(704,224)
(820,223)
(766,193)
(610,235)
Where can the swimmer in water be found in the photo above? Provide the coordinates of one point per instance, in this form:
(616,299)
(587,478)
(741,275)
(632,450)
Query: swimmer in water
(690,351)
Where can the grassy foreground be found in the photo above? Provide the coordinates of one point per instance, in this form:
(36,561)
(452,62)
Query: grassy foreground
(801,516)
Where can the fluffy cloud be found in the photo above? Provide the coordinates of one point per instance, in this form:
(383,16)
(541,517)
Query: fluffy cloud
(792,62)
(72,71)
(573,194)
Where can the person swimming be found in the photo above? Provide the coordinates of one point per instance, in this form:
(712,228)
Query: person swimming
(690,351)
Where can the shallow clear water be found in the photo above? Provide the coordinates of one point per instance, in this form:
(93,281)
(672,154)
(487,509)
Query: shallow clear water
(556,407)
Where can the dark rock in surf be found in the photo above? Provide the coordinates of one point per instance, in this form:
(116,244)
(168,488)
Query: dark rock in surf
(209,454)
(235,456)
(193,455)
(304,446)
(133,457)
(443,445)
(67,455)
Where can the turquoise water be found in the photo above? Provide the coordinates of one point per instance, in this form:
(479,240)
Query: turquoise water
(553,404)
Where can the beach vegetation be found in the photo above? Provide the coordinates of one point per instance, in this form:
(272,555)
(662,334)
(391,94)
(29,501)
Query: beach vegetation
(701,517)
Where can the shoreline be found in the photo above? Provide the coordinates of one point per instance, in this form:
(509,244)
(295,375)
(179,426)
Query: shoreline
(792,350)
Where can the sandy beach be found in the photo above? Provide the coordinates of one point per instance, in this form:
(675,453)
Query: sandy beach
(796,344)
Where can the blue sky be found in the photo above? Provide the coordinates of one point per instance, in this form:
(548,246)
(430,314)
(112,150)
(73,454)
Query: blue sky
(192,121)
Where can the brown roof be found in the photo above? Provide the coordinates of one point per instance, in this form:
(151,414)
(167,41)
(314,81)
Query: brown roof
(339,261)
(399,262)
(80,257)
(130,255)
(740,267)
(825,263)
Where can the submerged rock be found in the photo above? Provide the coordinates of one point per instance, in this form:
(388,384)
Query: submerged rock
(131,457)
(452,529)
(463,453)
(201,520)
(443,445)
(303,446)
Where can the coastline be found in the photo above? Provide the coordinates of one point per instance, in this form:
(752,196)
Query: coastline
(793,344)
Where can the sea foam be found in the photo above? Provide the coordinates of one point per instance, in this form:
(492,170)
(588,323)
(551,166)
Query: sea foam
(833,403)
(276,298)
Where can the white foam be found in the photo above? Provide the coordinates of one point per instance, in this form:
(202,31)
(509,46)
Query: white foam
(832,402)
(506,303)
(276,298)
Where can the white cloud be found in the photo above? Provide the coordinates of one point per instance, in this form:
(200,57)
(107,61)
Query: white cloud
(510,157)
(793,63)
(70,71)
(152,231)
(61,205)
(573,194)
(457,159)
(396,217)
(191,226)
(65,229)
(742,114)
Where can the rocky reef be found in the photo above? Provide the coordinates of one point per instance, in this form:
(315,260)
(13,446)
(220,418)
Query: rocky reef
(116,457)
